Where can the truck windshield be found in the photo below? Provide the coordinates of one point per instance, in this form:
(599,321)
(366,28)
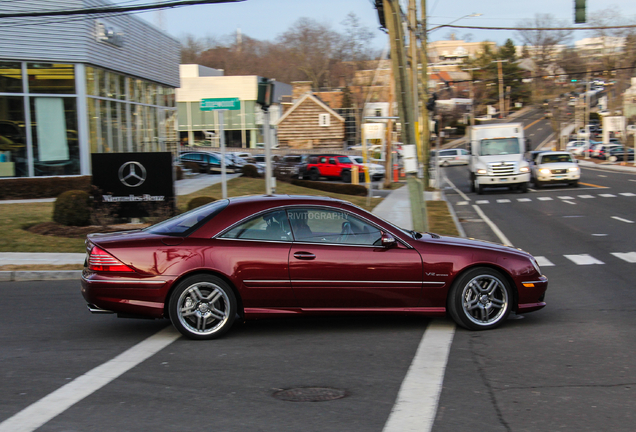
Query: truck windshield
(499,146)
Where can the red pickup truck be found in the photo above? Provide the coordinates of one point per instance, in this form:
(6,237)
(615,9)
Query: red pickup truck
(330,166)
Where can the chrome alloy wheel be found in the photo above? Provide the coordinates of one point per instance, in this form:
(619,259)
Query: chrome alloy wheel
(485,300)
(203,308)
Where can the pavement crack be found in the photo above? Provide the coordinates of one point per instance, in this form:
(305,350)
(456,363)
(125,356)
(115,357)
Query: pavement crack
(479,361)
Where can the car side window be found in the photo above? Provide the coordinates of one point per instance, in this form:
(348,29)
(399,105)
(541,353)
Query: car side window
(272,226)
(315,225)
(323,160)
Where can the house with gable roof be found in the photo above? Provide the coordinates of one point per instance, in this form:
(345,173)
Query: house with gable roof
(308,122)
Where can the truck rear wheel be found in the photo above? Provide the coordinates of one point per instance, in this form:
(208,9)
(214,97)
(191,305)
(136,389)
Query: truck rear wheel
(523,187)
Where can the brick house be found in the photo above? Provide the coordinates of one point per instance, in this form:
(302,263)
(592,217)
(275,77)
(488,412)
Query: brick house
(308,122)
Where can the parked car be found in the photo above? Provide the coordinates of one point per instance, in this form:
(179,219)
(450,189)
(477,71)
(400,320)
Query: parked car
(453,157)
(601,149)
(290,165)
(554,167)
(271,256)
(618,154)
(576,147)
(376,171)
(330,166)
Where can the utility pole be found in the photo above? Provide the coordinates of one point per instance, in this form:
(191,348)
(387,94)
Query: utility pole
(392,17)
(501,88)
(426,122)
(472,95)
(586,118)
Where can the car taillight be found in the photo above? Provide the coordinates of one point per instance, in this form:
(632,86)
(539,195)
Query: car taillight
(99,260)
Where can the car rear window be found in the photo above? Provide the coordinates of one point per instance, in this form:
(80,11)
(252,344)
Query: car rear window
(186,223)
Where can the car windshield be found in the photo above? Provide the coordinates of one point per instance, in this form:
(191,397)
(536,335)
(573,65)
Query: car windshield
(499,146)
(357,159)
(186,223)
(556,158)
(344,160)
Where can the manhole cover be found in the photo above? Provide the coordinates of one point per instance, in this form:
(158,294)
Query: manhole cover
(310,394)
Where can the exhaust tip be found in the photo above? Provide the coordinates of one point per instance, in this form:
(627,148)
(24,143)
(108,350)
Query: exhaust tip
(97,310)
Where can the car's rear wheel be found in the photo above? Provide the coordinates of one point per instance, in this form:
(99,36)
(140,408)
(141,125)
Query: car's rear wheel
(480,299)
(345,176)
(314,175)
(202,307)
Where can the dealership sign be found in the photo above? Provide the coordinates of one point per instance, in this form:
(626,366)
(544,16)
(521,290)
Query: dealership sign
(134,184)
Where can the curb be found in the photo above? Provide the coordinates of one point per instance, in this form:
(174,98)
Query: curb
(40,275)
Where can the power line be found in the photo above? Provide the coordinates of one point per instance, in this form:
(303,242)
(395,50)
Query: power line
(112,9)
(538,28)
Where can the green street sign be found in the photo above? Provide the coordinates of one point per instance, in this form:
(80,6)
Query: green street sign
(232,104)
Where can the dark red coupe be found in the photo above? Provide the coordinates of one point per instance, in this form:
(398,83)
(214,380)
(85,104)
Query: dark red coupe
(267,256)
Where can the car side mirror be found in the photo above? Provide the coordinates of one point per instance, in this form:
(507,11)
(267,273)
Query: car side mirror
(388,240)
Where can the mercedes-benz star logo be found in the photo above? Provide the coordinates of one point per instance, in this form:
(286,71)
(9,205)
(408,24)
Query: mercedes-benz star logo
(132,174)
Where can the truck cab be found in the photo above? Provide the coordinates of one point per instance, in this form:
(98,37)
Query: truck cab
(497,157)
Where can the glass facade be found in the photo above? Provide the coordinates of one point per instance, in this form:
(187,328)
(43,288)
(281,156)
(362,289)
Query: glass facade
(42,106)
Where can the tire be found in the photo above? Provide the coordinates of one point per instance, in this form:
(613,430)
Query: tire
(538,184)
(471,183)
(345,176)
(202,307)
(445,164)
(314,175)
(523,187)
(480,299)
(575,183)
(480,190)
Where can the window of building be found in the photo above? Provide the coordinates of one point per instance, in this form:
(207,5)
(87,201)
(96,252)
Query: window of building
(323,119)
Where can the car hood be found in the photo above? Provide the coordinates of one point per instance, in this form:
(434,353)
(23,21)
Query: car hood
(469,242)
(558,165)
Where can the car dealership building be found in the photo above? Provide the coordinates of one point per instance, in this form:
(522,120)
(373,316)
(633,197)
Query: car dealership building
(81,84)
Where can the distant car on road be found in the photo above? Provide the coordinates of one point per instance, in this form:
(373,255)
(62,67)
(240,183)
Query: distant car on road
(376,171)
(554,167)
(453,157)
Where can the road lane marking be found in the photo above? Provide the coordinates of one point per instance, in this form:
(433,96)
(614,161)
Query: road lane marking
(569,202)
(503,200)
(627,194)
(463,195)
(593,185)
(622,220)
(416,403)
(565,198)
(543,261)
(607,195)
(630,257)
(481,202)
(583,259)
(502,238)
(586,196)
(524,199)
(532,124)
(544,199)
(52,405)
(599,235)
(462,203)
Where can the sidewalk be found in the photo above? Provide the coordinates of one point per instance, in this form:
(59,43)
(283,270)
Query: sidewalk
(395,208)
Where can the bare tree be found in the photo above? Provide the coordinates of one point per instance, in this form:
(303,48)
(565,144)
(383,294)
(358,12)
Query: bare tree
(312,46)
(543,44)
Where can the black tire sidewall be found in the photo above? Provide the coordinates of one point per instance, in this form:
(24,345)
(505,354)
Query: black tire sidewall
(455,300)
(185,284)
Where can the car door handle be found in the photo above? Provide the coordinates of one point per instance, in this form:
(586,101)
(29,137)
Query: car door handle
(304,255)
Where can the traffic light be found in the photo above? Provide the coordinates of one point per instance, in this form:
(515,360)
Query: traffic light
(265,96)
(579,12)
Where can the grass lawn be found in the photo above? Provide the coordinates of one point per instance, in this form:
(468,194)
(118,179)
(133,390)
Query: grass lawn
(14,217)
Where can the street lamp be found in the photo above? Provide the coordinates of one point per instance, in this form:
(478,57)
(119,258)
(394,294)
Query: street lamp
(454,21)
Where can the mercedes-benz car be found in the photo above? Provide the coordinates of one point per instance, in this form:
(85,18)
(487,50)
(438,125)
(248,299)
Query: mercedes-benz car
(281,256)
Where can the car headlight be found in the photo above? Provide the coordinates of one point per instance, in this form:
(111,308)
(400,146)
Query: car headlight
(544,171)
(482,171)
(573,169)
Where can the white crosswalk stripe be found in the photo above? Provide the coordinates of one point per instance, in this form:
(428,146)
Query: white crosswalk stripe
(562,198)
(544,199)
(544,262)
(583,259)
(565,198)
(462,203)
(607,195)
(587,196)
(482,202)
(630,257)
(503,200)
(524,199)
(627,194)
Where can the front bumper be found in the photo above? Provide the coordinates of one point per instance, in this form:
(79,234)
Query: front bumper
(486,180)
(532,294)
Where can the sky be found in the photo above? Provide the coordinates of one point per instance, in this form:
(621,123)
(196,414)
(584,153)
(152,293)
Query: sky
(266,19)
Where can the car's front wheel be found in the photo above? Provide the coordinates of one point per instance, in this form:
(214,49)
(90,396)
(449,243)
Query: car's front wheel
(314,175)
(480,299)
(202,307)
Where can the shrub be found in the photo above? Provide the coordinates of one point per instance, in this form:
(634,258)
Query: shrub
(346,189)
(250,171)
(73,208)
(29,188)
(199,201)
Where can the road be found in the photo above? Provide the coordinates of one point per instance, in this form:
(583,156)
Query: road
(570,366)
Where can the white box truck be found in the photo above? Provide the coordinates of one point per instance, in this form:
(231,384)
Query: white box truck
(497,157)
